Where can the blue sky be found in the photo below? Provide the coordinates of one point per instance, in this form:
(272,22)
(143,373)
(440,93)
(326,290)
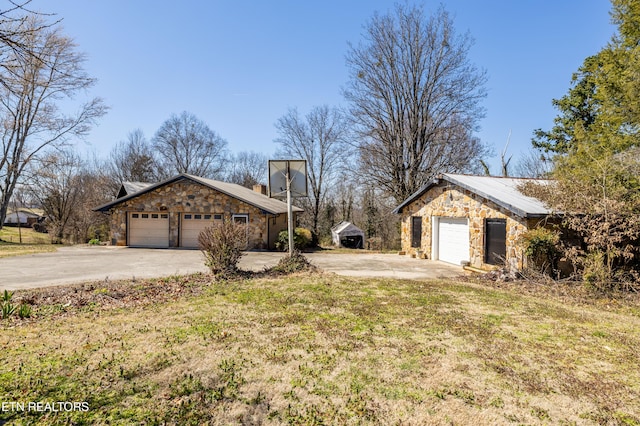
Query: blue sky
(239,65)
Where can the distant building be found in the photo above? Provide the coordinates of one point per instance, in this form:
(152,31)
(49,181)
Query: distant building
(24,216)
(346,234)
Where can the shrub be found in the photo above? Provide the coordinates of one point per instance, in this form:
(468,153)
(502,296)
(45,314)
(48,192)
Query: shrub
(7,307)
(24,311)
(222,246)
(541,246)
(595,273)
(294,263)
(94,242)
(301,239)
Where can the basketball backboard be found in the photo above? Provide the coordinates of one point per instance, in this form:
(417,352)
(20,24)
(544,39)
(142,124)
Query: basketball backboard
(278,178)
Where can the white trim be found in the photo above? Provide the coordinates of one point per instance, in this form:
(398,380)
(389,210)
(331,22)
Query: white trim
(435,238)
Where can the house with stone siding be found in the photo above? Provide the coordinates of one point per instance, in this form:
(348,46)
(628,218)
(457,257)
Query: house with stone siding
(470,220)
(172,213)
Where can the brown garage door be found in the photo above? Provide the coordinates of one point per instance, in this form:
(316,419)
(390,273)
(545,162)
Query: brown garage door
(149,229)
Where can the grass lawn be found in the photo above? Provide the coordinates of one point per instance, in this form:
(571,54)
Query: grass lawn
(32,242)
(322,349)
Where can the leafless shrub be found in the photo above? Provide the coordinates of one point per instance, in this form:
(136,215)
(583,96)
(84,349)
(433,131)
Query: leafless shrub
(222,246)
(604,225)
(293,263)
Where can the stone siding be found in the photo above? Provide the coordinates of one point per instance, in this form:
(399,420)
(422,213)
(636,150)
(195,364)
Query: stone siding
(185,196)
(447,200)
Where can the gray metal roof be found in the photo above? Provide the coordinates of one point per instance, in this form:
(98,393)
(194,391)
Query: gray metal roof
(504,191)
(131,187)
(347,228)
(241,193)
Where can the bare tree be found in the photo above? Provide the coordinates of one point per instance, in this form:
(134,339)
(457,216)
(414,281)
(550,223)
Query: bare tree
(320,139)
(54,186)
(415,99)
(15,32)
(248,168)
(534,163)
(33,86)
(133,160)
(67,188)
(185,144)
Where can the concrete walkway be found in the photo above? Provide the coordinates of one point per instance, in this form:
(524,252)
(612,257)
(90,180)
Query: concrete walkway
(90,263)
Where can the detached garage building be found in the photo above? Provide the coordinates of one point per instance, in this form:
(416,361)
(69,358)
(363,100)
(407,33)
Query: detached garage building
(346,234)
(173,212)
(475,220)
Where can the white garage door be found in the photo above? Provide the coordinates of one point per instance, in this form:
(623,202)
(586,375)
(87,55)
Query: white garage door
(192,224)
(453,240)
(149,229)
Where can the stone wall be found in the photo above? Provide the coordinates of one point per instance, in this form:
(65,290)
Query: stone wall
(447,200)
(185,196)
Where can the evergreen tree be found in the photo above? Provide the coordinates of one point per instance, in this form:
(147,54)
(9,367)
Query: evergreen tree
(594,145)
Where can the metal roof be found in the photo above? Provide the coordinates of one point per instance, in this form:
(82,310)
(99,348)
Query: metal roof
(239,192)
(131,187)
(504,191)
(349,227)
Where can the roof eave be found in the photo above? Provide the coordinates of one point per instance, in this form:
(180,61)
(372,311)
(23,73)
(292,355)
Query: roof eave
(511,208)
(270,211)
(517,211)
(107,206)
(416,195)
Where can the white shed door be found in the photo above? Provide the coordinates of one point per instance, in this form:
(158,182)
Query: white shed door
(453,240)
(191,224)
(149,229)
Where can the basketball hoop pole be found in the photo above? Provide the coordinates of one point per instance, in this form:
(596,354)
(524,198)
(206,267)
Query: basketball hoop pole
(289,210)
(294,173)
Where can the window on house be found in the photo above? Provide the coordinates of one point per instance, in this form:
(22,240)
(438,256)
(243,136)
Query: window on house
(154,216)
(207,217)
(187,216)
(416,231)
(495,241)
(217,217)
(198,216)
(145,216)
(135,215)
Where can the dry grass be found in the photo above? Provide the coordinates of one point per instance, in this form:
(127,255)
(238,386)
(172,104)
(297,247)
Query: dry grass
(32,242)
(321,349)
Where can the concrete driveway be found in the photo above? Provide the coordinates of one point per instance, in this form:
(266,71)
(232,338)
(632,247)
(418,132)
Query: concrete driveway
(91,263)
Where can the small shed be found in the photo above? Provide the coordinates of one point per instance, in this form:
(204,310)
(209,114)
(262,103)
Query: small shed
(346,234)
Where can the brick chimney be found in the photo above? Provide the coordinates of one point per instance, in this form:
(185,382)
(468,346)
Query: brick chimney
(261,189)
